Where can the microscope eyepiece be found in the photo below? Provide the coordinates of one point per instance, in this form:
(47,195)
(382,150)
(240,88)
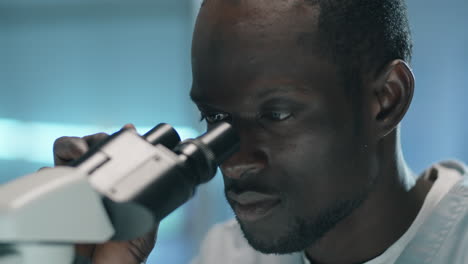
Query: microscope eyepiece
(163,134)
(222,140)
(204,154)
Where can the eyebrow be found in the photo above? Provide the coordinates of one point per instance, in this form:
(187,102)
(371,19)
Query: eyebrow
(282,89)
(197,98)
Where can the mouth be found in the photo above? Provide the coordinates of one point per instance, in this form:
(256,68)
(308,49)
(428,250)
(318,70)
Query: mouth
(252,206)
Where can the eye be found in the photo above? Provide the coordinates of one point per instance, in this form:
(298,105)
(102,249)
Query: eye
(277,115)
(212,118)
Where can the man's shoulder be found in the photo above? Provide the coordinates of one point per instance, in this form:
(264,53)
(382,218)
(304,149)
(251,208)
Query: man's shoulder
(455,165)
(457,169)
(225,243)
(443,238)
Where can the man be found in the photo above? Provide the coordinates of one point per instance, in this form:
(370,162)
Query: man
(316,90)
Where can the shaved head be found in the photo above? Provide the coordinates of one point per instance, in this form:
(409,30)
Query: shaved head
(277,70)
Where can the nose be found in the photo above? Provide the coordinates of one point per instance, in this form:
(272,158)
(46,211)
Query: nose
(250,159)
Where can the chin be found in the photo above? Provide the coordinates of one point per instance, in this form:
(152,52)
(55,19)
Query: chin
(296,234)
(278,240)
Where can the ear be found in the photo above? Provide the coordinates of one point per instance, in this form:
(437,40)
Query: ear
(392,94)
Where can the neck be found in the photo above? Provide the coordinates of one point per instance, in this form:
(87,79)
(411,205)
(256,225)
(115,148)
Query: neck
(382,219)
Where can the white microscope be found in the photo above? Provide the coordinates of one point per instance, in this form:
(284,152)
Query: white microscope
(117,191)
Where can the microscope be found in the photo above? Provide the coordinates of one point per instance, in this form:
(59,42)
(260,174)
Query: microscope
(118,190)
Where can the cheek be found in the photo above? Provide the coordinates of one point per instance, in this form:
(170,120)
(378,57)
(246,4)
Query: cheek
(320,166)
(311,149)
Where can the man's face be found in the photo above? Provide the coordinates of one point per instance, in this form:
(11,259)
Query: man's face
(304,161)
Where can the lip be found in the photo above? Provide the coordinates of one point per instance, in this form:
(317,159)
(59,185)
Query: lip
(252,206)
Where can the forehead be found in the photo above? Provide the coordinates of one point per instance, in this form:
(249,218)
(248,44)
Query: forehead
(241,42)
(240,24)
(258,14)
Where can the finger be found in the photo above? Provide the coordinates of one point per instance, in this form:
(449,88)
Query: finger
(141,247)
(93,140)
(67,149)
(85,250)
(124,252)
(115,252)
(129,126)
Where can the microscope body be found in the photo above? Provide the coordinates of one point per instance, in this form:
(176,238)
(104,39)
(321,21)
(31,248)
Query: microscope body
(118,190)
(43,214)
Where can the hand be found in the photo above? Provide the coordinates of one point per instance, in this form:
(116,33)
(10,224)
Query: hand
(67,149)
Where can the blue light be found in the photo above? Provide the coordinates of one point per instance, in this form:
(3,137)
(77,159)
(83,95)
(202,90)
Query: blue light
(33,141)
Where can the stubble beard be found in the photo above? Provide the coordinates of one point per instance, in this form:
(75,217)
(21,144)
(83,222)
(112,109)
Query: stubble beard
(303,233)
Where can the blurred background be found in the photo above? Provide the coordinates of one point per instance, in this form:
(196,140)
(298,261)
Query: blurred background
(72,67)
